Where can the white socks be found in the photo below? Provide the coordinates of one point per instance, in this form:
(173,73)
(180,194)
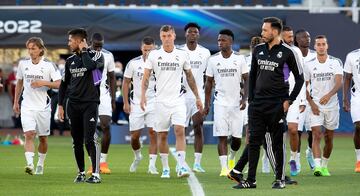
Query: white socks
(293,155)
(232,154)
(223,161)
(165,160)
(197,157)
(181,158)
(317,162)
(41,159)
(103,157)
(29,156)
(357,152)
(324,162)
(152,160)
(137,154)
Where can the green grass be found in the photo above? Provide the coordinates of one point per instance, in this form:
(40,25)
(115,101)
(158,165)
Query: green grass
(60,170)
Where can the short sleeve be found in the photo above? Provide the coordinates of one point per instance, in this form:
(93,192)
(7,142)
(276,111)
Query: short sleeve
(187,65)
(244,66)
(150,60)
(129,70)
(19,73)
(209,70)
(54,73)
(339,68)
(306,72)
(111,63)
(348,64)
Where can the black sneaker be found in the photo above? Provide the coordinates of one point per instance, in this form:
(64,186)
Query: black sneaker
(235,177)
(245,184)
(278,184)
(93,179)
(80,178)
(290,181)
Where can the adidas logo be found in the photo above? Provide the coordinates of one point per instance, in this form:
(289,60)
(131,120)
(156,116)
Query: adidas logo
(314,69)
(261,53)
(26,69)
(159,58)
(92,120)
(73,63)
(139,68)
(218,64)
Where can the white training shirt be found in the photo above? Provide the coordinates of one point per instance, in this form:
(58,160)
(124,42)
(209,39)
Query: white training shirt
(302,95)
(135,70)
(322,79)
(36,98)
(198,62)
(227,73)
(352,66)
(168,69)
(109,66)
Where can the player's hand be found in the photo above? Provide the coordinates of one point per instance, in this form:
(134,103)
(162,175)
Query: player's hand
(83,44)
(37,83)
(242,104)
(315,109)
(346,105)
(325,99)
(127,108)
(16,108)
(199,105)
(206,110)
(61,113)
(286,105)
(302,108)
(143,103)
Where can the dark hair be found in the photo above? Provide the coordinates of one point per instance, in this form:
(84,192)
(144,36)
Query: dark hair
(275,22)
(147,40)
(287,28)
(296,34)
(320,37)
(98,37)
(227,32)
(192,24)
(255,41)
(167,28)
(38,42)
(79,32)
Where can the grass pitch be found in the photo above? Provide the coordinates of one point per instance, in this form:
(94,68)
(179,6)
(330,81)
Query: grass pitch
(60,170)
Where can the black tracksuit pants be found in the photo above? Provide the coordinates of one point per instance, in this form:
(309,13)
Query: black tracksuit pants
(265,116)
(83,120)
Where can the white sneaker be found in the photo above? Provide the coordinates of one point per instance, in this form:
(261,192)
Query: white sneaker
(153,170)
(39,170)
(165,173)
(183,173)
(29,169)
(135,164)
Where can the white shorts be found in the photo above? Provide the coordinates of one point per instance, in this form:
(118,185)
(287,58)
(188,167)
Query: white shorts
(191,109)
(138,118)
(304,119)
(105,104)
(293,113)
(169,114)
(39,121)
(327,118)
(228,120)
(355,105)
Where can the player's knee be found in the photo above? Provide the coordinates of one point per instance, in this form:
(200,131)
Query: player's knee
(29,135)
(235,143)
(43,139)
(135,136)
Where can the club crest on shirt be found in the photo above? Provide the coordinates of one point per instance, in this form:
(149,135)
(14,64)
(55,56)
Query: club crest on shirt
(279,55)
